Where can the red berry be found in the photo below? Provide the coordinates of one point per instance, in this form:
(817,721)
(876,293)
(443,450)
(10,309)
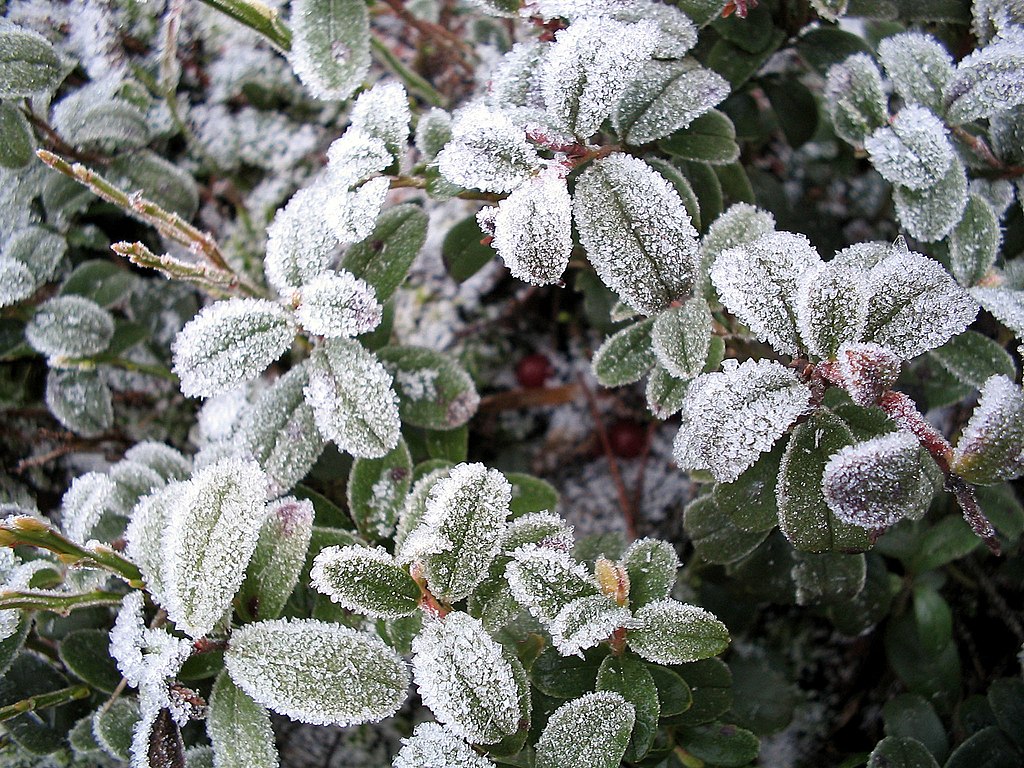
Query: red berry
(533,371)
(627,439)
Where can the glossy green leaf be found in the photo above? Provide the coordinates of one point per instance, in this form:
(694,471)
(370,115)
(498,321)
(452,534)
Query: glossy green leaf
(972,358)
(531,494)
(383,259)
(719,744)
(628,676)
(710,138)
(86,654)
(376,491)
(901,752)
(710,682)
(463,252)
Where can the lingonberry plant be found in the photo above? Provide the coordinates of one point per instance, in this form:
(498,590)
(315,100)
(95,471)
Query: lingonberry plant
(269,396)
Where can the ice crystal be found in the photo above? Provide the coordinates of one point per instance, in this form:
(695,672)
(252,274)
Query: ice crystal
(352,214)
(487,151)
(543,580)
(533,229)
(915,305)
(146,532)
(876,483)
(988,80)
(1006,305)
(681,338)
(279,556)
(300,241)
(211,533)
(365,580)
(671,632)
(636,232)
(434,746)
(228,343)
(931,213)
(338,304)
(546,529)
(914,152)
(589,67)
(352,400)
(589,732)
(465,679)
(383,113)
(757,282)
(731,418)
(855,99)
(585,622)
(991,448)
(461,530)
(239,728)
(84,503)
(167,462)
(278,431)
(919,68)
(515,82)
(831,307)
(316,672)
(70,326)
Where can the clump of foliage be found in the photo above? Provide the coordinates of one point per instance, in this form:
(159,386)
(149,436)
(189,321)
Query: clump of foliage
(799,223)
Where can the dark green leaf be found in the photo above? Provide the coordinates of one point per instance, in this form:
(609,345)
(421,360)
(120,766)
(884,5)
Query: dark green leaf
(377,490)
(383,259)
(948,540)
(719,744)
(710,683)
(763,698)
(708,189)
(934,676)
(628,676)
(990,748)
(715,537)
(674,696)
(828,578)
(102,281)
(737,65)
(86,653)
(531,494)
(434,391)
(933,618)
(749,501)
(913,716)
(567,677)
(166,184)
(795,107)
(16,139)
(463,252)
(824,46)
(972,358)
(901,752)
(735,183)
(1006,697)
(711,138)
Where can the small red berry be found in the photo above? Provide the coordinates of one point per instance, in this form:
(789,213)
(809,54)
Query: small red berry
(533,371)
(627,439)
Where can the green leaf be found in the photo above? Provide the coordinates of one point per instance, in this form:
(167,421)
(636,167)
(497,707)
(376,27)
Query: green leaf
(463,252)
(912,716)
(681,338)
(989,747)
(330,46)
(710,682)
(974,242)
(828,578)
(824,46)
(671,632)
(674,695)
(749,501)
(901,752)
(168,185)
(451,445)
(707,188)
(70,326)
(804,516)
(126,335)
(933,618)
(763,698)
(434,391)
(531,494)
(651,565)
(101,281)
(383,259)
(278,559)
(38,249)
(949,539)
(937,677)
(665,393)
(545,580)
(711,138)
(567,677)
(112,726)
(855,98)
(86,654)
(29,65)
(738,65)
(795,108)
(592,731)
(16,140)
(682,186)
(919,67)
(376,491)
(931,213)
(719,744)
(1006,697)
(239,728)
(625,356)
(11,645)
(715,537)
(973,358)
(316,672)
(628,676)
(80,400)
(365,580)
(735,183)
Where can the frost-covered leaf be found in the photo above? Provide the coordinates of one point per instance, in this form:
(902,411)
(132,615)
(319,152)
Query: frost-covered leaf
(671,632)
(377,490)
(147,531)
(681,338)
(278,559)
(70,326)
(931,213)
(589,732)
(665,393)
(740,225)
(989,16)
(112,727)
(875,483)
(357,156)
(365,580)
(543,580)
(991,448)
(804,516)
(239,728)
(913,150)
(546,529)
(16,282)
(914,305)
(1006,305)
(466,679)
(351,215)
(331,46)
(83,505)
(434,391)
(211,533)
(18,140)
(352,400)
(414,510)
(749,501)
(94,117)
(636,232)
(973,358)
(831,307)
(918,66)
(666,96)
(974,242)
(651,565)
(487,151)
(433,131)
(589,67)
(29,65)
(867,371)
(461,529)
(855,98)
(278,431)
(625,356)
(533,229)
(828,578)
(383,113)
(338,304)
(732,417)
(300,241)
(162,459)
(228,343)
(80,399)
(830,9)
(317,672)
(585,622)
(383,258)
(988,80)
(757,282)
(677,34)
(435,746)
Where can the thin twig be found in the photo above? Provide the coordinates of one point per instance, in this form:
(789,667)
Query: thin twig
(44,701)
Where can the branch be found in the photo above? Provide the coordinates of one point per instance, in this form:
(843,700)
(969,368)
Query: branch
(55,602)
(44,700)
(412,81)
(257,17)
